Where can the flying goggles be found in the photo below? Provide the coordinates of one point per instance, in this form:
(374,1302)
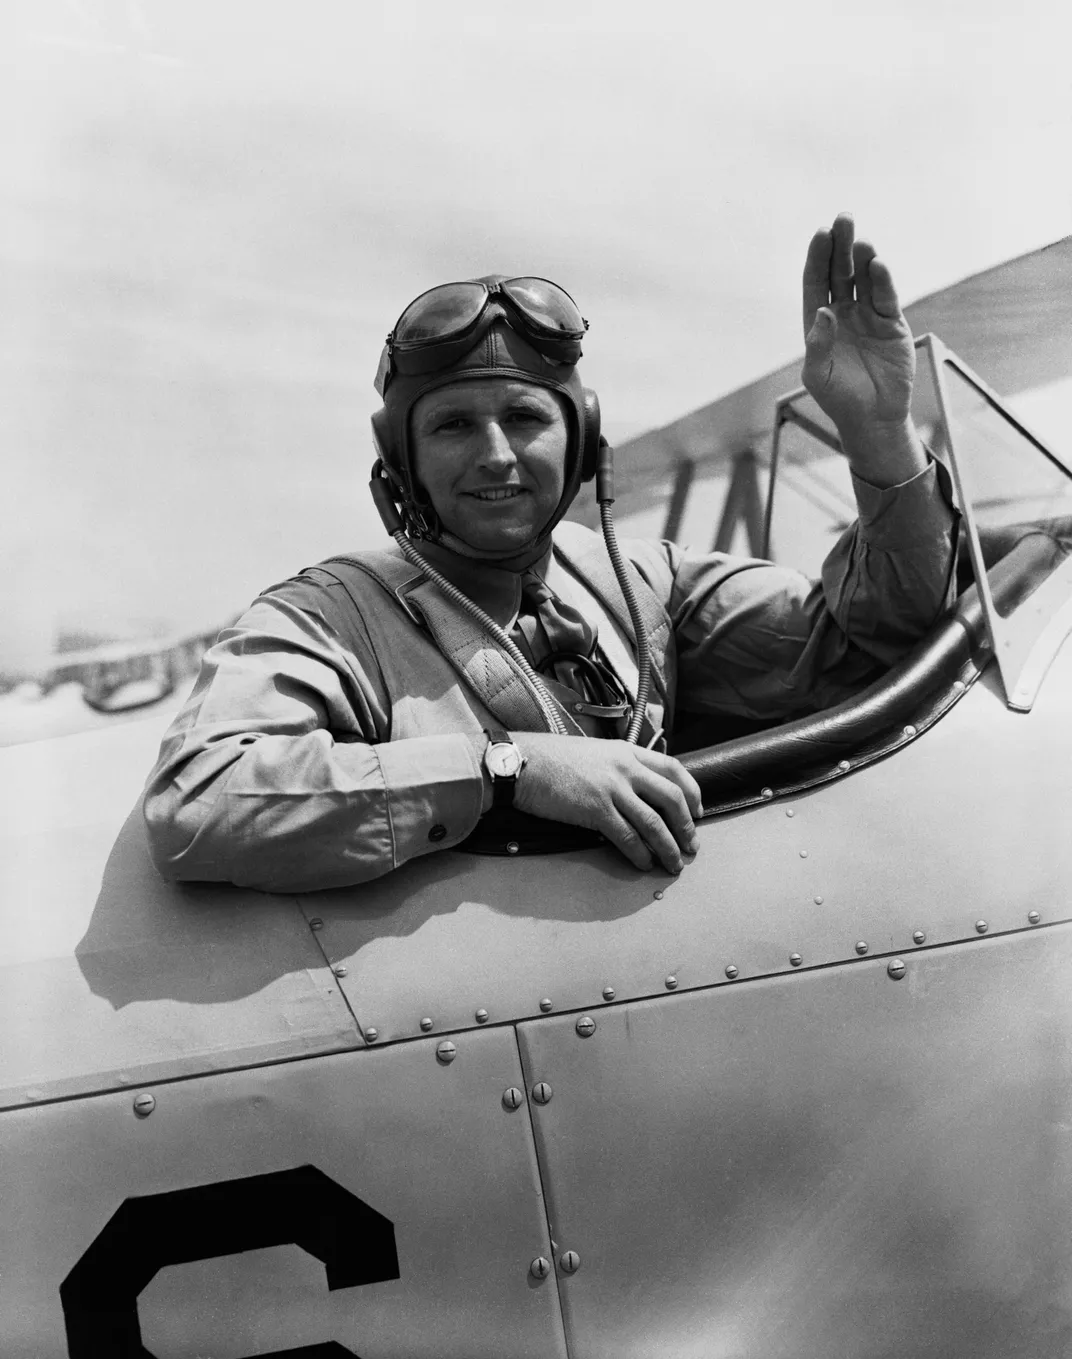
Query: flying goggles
(443,324)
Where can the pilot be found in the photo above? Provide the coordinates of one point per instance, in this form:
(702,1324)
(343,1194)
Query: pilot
(375,707)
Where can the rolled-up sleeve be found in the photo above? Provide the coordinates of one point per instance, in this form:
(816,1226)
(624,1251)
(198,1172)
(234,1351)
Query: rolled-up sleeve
(278,772)
(763,641)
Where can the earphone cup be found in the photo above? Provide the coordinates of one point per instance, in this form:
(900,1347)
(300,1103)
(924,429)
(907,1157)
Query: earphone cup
(590,452)
(381,437)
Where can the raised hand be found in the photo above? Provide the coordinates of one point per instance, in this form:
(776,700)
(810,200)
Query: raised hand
(860,361)
(642,802)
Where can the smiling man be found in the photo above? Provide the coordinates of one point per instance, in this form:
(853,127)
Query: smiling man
(375,707)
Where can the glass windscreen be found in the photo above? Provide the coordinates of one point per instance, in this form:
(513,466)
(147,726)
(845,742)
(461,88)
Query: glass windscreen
(1009,475)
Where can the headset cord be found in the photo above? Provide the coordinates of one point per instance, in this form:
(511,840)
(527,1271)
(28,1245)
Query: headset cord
(605,496)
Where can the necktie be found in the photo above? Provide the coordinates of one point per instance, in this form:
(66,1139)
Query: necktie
(562,643)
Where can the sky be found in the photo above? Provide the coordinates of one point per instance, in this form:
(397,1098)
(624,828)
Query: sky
(214,210)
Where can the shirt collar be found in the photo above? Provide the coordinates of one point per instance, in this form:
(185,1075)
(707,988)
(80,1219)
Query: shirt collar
(495,589)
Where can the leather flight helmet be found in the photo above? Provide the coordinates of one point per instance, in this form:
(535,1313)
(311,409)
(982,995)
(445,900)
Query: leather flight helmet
(501,351)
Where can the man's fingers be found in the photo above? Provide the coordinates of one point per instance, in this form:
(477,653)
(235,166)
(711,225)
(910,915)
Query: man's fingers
(628,841)
(676,772)
(863,252)
(649,823)
(883,293)
(841,272)
(816,276)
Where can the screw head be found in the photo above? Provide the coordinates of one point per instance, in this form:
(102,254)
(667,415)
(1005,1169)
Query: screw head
(795,959)
(959,685)
(547,1005)
(316,923)
(512,1098)
(766,793)
(540,1268)
(803,853)
(570,1261)
(586,1026)
(371,1035)
(671,983)
(1033,917)
(608,993)
(910,730)
(658,894)
(861,947)
(844,766)
(144,1104)
(446,1052)
(790,812)
(896,968)
(818,901)
(542,1092)
(918,937)
(512,847)
(341,970)
(426,1024)
(731,971)
(981,927)
(481,1016)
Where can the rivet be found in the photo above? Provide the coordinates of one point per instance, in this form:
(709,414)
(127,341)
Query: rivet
(795,959)
(1033,917)
(818,900)
(586,1026)
(446,1052)
(731,972)
(547,1004)
(658,894)
(144,1104)
(124,1079)
(918,937)
(341,970)
(959,685)
(512,847)
(910,730)
(896,968)
(316,923)
(371,1035)
(861,947)
(426,1024)
(512,1098)
(803,853)
(789,812)
(570,1261)
(481,1016)
(981,927)
(766,793)
(542,1092)
(578,707)
(540,1268)
(608,993)
(844,766)
(671,983)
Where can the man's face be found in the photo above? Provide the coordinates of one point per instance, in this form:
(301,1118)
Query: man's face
(491,455)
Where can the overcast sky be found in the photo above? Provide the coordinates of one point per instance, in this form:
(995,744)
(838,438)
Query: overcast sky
(214,211)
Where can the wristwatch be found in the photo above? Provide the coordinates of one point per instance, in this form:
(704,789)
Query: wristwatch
(504,762)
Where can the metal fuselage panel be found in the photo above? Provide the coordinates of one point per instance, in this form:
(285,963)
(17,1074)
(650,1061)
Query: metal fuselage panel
(428,1146)
(825,1163)
(966,824)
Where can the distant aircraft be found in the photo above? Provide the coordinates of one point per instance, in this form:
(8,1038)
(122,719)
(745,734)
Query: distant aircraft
(810,1098)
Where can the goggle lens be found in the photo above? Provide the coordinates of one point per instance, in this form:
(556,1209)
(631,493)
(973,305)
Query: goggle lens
(440,313)
(546,305)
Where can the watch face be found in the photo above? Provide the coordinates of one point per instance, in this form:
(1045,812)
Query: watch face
(503,761)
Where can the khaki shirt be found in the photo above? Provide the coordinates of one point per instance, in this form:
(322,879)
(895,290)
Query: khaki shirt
(323,747)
